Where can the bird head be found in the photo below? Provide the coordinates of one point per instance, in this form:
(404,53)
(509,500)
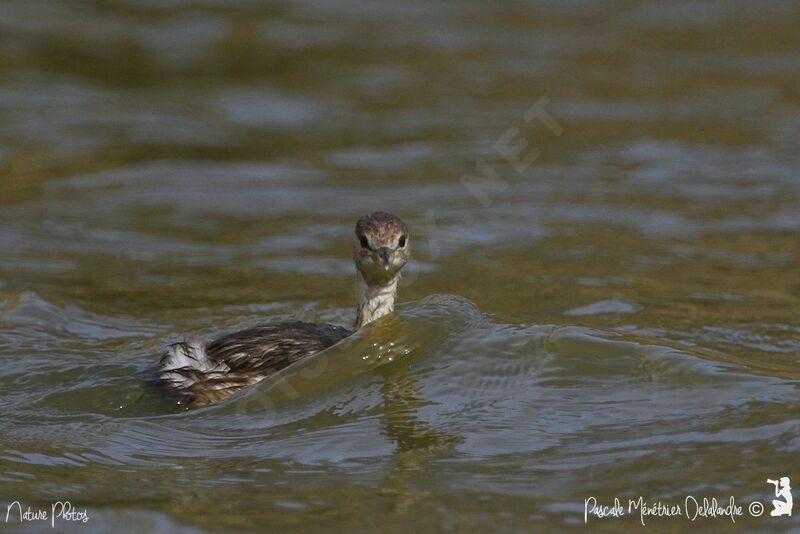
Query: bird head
(381,247)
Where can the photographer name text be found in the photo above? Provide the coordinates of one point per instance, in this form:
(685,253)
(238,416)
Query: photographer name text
(692,509)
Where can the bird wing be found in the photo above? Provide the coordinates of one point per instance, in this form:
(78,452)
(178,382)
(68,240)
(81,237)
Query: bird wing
(269,348)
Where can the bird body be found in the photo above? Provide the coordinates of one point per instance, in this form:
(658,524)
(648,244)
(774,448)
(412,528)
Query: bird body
(199,373)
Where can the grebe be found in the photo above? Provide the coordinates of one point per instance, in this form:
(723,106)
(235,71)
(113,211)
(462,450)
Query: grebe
(199,374)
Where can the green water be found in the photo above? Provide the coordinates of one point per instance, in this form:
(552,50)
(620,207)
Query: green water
(603,300)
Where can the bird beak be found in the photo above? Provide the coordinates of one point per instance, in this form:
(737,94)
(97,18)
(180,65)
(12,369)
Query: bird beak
(384,253)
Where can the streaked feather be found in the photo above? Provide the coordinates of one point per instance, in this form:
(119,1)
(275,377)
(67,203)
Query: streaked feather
(199,374)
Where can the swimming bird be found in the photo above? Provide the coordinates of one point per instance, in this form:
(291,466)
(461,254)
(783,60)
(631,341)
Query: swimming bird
(200,373)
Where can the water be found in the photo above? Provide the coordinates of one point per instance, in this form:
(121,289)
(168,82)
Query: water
(609,309)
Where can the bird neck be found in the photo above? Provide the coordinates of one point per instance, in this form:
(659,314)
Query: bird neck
(375,301)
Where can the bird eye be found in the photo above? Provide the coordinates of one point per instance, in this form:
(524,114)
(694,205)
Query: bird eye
(402,241)
(364,242)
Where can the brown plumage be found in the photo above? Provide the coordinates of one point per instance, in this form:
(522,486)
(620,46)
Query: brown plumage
(198,374)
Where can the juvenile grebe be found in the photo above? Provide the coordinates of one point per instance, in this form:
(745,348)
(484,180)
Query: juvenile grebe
(199,374)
